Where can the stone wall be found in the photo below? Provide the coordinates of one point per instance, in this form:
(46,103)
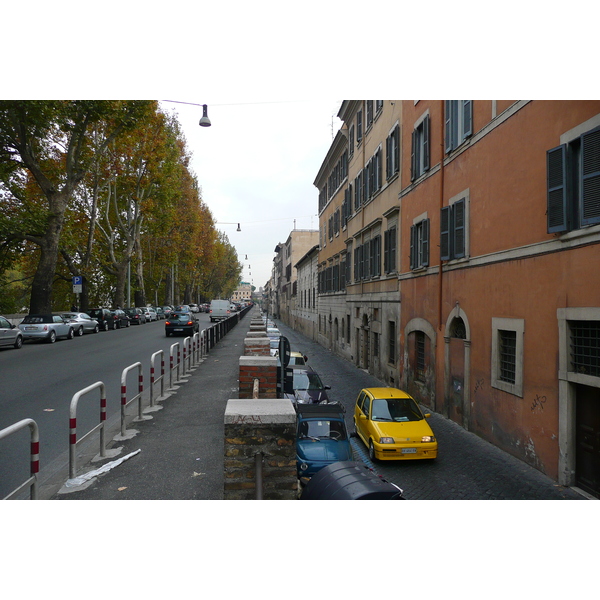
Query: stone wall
(264,427)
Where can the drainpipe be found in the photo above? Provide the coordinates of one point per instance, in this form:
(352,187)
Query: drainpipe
(442,130)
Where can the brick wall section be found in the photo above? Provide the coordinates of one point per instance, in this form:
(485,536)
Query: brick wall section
(260,426)
(263,368)
(257,346)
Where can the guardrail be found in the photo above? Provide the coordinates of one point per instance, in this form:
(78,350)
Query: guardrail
(173,365)
(73,441)
(35,456)
(153,378)
(201,343)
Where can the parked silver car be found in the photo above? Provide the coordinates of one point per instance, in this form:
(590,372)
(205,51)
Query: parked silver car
(81,322)
(46,327)
(10,335)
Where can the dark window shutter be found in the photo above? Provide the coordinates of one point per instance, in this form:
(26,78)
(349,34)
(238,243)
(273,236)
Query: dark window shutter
(396,149)
(392,252)
(388,157)
(458,222)
(467,118)
(445,233)
(413,249)
(449,145)
(413,156)
(425,252)
(426,144)
(557,190)
(590,172)
(386,250)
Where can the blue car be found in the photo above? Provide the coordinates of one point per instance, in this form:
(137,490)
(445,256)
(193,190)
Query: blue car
(321,439)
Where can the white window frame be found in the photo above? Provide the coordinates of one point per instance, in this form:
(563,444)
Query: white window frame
(518,326)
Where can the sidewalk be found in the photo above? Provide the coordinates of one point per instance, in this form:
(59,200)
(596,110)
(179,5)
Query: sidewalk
(181,447)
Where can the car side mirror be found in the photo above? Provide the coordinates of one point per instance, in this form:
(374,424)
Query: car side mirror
(427,415)
(363,417)
(326,387)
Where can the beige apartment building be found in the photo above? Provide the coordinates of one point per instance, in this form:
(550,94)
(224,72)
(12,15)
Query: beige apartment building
(284,292)
(359,185)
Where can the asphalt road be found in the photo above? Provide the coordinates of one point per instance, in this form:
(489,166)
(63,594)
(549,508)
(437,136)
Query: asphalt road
(39,380)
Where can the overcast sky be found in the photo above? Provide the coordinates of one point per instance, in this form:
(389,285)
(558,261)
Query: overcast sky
(256,165)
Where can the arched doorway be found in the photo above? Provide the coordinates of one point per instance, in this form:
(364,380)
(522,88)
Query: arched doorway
(365,332)
(457,368)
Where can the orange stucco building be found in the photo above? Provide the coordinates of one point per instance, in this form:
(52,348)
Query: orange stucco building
(494,298)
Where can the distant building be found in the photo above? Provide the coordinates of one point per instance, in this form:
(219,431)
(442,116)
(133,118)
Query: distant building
(242,293)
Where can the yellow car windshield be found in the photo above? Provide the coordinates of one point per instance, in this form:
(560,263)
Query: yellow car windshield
(395,409)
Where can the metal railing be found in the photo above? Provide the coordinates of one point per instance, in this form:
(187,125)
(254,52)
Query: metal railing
(160,378)
(35,456)
(73,441)
(201,343)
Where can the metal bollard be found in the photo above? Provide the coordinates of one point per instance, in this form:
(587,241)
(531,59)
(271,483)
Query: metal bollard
(152,375)
(73,441)
(34,449)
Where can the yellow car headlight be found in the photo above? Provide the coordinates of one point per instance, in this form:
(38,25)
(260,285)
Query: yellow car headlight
(386,440)
(427,438)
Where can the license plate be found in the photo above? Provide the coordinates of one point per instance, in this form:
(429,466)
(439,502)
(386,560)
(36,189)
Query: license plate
(409,450)
(30,328)
(178,329)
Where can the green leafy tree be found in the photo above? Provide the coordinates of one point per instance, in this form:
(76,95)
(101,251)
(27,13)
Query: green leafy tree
(48,142)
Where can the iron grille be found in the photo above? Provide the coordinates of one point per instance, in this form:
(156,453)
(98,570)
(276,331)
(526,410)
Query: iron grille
(508,356)
(420,355)
(585,347)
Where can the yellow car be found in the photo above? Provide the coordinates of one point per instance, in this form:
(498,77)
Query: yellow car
(392,426)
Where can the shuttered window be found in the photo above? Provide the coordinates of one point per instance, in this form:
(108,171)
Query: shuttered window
(420,149)
(453,231)
(573,183)
(419,245)
(459,122)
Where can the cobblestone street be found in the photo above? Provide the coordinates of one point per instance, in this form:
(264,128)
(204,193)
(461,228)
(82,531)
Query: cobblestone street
(467,467)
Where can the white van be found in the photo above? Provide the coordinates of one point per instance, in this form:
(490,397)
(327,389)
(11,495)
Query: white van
(219,310)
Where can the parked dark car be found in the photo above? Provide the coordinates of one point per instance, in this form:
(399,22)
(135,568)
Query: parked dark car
(10,335)
(304,386)
(46,327)
(136,316)
(181,323)
(322,438)
(104,317)
(120,318)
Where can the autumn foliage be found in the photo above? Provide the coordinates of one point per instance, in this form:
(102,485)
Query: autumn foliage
(103,190)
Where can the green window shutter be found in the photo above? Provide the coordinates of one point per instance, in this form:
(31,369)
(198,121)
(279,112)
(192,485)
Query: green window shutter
(445,233)
(413,156)
(467,108)
(426,144)
(556,173)
(392,252)
(458,222)
(425,243)
(449,144)
(396,149)
(590,174)
(386,251)
(413,249)
(388,157)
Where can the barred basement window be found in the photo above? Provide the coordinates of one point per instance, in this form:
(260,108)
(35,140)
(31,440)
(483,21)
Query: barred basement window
(585,347)
(508,356)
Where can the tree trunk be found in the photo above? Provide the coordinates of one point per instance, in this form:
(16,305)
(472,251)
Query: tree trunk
(41,288)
